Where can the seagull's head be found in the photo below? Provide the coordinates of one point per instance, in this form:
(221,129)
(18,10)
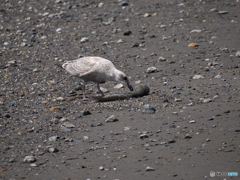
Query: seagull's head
(122,78)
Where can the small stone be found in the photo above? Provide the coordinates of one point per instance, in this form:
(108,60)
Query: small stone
(171,141)
(68,125)
(136,44)
(72,92)
(101,168)
(33,165)
(60,99)
(55,108)
(187,136)
(85,113)
(23,44)
(223,12)
(52,138)
(191,122)
(58,30)
(123,3)
(151,69)
(52,150)
(177,100)
(118,86)
(149,109)
(162,58)
(83,40)
(213,10)
(207,140)
(58,1)
(20,94)
(206,100)
(64,129)
(120,41)
(100,4)
(127,33)
(112,118)
(103,90)
(5,43)
(237,130)
(138,82)
(146,15)
(196,31)
(45,14)
(193,45)
(198,76)
(142,136)
(148,168)
(29,159)
(237,54)
(35,70)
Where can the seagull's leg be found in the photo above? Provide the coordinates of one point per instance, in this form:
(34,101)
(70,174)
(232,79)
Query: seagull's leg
(100,89)
(83,88)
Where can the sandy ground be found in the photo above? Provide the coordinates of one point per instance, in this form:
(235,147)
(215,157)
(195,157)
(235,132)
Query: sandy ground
(192,126)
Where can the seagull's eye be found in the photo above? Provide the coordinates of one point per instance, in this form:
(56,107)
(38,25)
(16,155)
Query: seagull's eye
(125,78)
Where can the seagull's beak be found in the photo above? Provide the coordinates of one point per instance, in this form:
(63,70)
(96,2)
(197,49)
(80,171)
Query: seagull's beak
(129,85)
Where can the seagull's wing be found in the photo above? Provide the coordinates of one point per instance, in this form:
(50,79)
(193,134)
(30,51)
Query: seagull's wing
(79,67)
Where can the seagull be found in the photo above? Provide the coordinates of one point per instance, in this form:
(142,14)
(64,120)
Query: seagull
(95,69)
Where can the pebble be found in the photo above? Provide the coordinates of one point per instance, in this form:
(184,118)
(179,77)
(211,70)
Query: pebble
(84,39)
(196,31)
(213,10)
(118,86)
(146,15)
(148,168)
(206,100)
(72,92)
(58,30)
(52,138)
(191,122)
(193,45)
(123,3)
(104,90)
(142,136)
(198,76)
(187,136)
(29,159)
(218,76)
(138,82)
(127,33)
(64,129)
(101,168)
(55,108)
(162,58)
(68,125)
(100,4)
(237,54)
(85,113)
(149,109)
(60,99)
(52,150)
(223,12)
(151,69)
(112,118)
(207,140)
(33,165)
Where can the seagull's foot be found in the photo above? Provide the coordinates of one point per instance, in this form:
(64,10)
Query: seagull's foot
(86,99)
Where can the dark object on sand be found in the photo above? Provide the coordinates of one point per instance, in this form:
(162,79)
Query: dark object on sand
(141,91)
